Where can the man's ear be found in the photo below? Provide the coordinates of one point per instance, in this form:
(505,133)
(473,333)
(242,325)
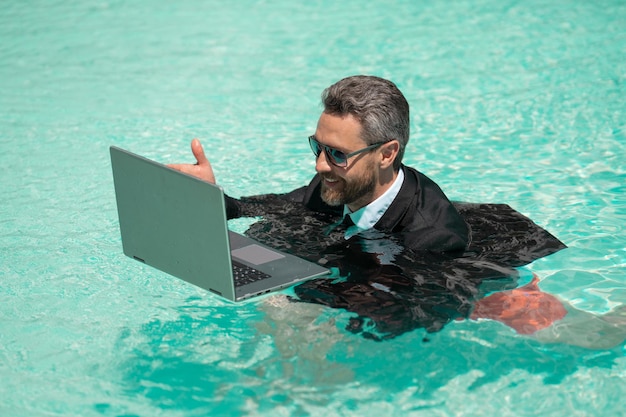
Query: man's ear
(389,152)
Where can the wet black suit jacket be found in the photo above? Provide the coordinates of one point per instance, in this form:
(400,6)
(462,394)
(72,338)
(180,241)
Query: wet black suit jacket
(444,255)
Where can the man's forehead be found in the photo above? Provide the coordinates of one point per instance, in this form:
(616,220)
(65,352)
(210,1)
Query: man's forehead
(339,128)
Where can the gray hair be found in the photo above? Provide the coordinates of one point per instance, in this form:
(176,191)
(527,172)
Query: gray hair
(377,104)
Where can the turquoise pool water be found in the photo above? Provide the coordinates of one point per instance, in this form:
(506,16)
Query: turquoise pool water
(512,102)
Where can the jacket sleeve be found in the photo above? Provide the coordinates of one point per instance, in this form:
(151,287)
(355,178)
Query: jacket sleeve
(260,205)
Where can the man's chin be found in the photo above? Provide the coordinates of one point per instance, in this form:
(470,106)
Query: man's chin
(331,198)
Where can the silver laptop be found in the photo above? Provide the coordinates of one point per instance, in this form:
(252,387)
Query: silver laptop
(177,223)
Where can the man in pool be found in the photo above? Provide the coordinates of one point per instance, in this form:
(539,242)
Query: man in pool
(359,143)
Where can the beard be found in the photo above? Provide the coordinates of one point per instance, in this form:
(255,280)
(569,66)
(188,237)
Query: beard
(349,191)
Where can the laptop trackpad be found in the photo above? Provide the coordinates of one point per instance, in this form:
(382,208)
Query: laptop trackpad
(256,254)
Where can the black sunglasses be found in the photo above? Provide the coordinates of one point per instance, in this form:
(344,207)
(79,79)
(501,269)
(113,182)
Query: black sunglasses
(335,156)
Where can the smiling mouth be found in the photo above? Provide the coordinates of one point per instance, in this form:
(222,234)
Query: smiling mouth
(330,181)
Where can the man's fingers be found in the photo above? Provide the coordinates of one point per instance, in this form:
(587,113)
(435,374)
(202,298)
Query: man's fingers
(198,152)
(202,169)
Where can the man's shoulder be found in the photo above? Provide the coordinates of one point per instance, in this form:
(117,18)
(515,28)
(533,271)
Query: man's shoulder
(418,180)
(425,215)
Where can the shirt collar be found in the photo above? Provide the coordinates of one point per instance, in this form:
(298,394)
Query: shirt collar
(366,217)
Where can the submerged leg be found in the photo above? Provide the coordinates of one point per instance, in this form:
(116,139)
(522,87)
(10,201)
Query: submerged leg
(591,331)
(303,336)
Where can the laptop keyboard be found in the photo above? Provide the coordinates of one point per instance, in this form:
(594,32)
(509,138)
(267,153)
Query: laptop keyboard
(244,274)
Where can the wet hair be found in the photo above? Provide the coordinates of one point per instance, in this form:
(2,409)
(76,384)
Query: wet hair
(377,104)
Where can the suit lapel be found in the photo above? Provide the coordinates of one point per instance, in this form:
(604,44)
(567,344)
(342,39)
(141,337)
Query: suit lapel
(401,204)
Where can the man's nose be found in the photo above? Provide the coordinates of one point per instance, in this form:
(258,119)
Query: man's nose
(322,164)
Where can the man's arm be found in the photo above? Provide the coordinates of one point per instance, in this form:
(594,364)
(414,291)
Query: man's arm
(244,207)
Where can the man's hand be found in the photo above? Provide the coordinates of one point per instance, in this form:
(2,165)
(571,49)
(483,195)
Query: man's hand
(201,169)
